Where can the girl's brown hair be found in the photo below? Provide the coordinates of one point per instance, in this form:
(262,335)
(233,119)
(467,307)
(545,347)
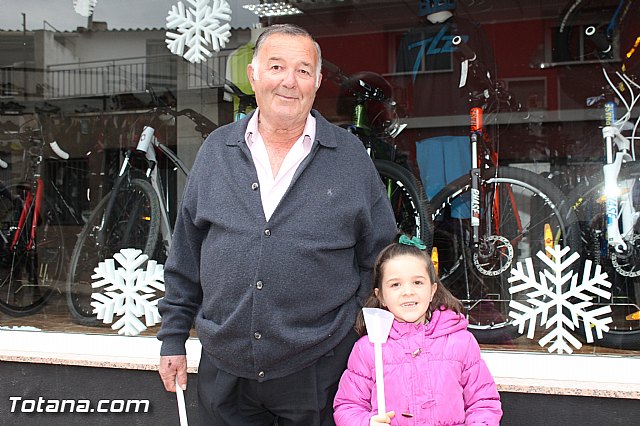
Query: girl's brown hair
(442,299)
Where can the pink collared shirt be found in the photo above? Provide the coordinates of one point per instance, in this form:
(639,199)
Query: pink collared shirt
(272,188)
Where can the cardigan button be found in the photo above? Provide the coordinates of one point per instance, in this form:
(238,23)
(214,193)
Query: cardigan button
(259,285)
(255,186)
(267,232)
(257,335)
(261,374)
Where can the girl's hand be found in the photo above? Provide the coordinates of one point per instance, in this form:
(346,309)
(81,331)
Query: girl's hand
(382,419)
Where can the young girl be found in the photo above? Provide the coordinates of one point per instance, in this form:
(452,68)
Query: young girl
(433,373)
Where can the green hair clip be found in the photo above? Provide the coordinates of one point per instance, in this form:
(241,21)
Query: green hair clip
(414,241)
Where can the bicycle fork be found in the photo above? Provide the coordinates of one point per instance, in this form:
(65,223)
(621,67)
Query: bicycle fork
(492,213)
(475,135)
(145,144)
(24,215)
(618,198)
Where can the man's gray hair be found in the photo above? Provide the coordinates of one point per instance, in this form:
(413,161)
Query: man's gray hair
(290,30)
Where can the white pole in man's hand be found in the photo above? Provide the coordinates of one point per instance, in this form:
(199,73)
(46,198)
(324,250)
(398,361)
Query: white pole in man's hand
(173,372)
(182,409)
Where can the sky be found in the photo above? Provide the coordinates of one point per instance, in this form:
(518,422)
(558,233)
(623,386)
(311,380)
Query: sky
(119,14)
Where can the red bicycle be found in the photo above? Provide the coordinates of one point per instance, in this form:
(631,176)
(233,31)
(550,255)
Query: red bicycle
(32,248)
(494,216)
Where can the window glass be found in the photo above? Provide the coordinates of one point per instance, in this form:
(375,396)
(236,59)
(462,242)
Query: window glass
(493,122)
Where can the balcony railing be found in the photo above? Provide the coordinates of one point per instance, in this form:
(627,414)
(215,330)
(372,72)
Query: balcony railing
(111,77)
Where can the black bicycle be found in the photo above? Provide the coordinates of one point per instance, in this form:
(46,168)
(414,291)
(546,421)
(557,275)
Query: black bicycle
(135,213)
(408,199)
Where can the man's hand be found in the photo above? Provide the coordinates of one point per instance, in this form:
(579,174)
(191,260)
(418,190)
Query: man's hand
(382,419)
(170,367)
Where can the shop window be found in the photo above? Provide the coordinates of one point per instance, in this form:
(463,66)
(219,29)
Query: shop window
(103,93)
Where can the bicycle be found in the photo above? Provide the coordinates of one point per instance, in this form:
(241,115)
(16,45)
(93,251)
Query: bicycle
(408,200)
(494,216)
(134,214)
(32,245)
(608,206)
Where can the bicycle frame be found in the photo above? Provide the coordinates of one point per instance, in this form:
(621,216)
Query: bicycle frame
(37,162)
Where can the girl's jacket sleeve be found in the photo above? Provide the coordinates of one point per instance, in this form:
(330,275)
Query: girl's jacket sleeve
(352,405)
(481,399)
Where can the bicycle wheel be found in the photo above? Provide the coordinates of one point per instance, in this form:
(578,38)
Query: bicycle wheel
(408,200)
(28,277)
(623,269)
(515,206)
(132,222)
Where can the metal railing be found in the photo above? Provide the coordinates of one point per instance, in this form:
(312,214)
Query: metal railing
(111,77)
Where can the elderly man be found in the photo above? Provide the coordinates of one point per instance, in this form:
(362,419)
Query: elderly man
(282,217)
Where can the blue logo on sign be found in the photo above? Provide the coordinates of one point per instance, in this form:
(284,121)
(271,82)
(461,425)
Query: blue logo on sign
(441,43)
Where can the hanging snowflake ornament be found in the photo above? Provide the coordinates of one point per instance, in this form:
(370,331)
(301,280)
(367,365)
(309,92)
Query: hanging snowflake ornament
(198,27)
(559,300)
(84,7)
(128,291)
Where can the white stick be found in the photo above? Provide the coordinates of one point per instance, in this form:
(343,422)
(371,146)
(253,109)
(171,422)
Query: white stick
(182,409)
(377,347)
(378,322)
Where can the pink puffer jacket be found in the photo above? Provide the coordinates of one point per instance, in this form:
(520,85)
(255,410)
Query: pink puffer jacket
(433,375)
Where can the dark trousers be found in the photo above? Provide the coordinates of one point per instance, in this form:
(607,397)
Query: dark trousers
(302,398)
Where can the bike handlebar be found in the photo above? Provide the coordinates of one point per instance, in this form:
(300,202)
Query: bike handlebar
(370,92)
(59,151)
(43,113)
(600,40)
(484,86)
(203,124)
(464,49)
(477,69)
(246,99)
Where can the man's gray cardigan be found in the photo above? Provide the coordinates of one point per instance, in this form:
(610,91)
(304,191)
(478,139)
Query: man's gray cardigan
(271,298)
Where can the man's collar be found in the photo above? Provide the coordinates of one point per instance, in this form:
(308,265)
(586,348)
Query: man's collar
(252,128)
(324,131)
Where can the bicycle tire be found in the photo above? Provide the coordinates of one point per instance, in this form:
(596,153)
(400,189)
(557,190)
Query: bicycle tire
(408,200)
(132,222)
(623,271)
(28,278)
(479,278)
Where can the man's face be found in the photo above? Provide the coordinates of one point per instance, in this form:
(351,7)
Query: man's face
(285,86)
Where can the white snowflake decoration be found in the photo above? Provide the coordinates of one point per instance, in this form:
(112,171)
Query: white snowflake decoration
(197,27)
(129,291)
(557,294)
(84,7)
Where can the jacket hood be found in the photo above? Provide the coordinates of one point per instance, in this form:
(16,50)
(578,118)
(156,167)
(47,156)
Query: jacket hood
(442,323)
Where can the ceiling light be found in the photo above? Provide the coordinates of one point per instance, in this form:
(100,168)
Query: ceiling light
(272,9)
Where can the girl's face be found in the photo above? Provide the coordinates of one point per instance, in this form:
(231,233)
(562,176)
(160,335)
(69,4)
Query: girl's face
(406,289)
